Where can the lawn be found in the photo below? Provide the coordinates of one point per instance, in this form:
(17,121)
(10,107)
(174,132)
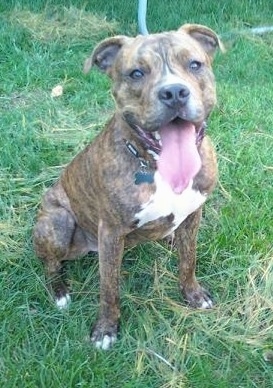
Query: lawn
(162,342)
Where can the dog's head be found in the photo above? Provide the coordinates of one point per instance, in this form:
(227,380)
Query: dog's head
(161,78)
(163,84)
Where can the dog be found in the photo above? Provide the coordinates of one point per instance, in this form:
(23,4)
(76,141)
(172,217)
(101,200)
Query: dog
(145,176)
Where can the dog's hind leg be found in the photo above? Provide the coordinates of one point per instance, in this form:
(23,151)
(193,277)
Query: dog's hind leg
(56,238)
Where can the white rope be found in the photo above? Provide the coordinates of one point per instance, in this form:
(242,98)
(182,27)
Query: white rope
(142,9)
(261,30)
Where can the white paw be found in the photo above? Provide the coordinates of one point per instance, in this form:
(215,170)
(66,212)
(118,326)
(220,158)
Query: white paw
(63,302)
(106,342)
(207,304)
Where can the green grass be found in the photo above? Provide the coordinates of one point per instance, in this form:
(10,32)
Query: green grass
(162,342)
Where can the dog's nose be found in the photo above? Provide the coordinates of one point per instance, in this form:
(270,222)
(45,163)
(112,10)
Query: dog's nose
(174,95)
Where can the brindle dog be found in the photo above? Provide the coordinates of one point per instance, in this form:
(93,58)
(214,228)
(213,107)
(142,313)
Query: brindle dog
(145,176)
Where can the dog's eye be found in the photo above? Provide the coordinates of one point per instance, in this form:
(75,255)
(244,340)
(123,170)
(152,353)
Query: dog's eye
(136,74)
(195,65)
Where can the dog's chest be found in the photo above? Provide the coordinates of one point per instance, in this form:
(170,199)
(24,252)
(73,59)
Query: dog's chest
(164,202)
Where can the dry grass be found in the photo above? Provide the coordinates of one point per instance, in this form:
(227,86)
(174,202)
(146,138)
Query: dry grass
(62,23)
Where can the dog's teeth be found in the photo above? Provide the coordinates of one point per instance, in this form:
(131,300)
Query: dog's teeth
(154,155)
(63,302)
(157,135)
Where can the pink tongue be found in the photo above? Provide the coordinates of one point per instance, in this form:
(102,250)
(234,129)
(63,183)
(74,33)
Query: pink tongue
(179,160)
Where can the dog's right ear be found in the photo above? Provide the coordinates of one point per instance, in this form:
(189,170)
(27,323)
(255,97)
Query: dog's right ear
(105,53)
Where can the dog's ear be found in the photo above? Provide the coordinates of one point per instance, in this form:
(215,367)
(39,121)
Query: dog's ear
(105,54)
(205,36)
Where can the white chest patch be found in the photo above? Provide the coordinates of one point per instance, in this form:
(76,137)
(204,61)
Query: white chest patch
(164,202)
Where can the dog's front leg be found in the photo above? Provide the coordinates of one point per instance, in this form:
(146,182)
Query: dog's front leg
(185,237)
(111,247)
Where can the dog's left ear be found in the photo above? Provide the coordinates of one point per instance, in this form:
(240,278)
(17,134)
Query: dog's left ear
(105,54)
(208,39)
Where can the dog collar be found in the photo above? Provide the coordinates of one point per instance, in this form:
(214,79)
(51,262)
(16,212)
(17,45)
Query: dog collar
(145,174)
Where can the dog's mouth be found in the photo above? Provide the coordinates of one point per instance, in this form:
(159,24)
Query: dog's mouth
(175,149)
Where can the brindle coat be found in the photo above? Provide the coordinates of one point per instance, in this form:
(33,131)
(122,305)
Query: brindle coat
(93,205)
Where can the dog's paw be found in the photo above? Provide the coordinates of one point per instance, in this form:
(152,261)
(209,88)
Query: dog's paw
(105,342)
(198,298)
(62,302)
(104,334)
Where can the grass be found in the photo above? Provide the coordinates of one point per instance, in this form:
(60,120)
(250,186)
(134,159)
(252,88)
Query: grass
(162,342)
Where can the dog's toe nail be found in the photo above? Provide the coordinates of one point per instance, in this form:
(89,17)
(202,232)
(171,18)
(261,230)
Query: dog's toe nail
(63,302)
(207,304)
(106,342)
